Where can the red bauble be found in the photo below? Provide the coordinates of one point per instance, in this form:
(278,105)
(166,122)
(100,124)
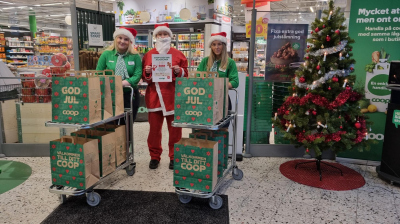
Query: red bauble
(317,29)
(273,126)
(318,67)
(337,32)
(312,32)
(323,26)
(328,38)
(341,126)
(335,79)
(329,88)
(287,112)
(314,112)
(351,68)
(308,50)
(351,49)
(275,133)
(307,88)
(294,88)
(308,46)
(357,125)
(307,57)
(302,80)
(348,87)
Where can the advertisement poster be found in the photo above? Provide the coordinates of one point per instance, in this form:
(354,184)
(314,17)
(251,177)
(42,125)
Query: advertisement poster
(375,27)
(285,50)
(95,35)
(162,64)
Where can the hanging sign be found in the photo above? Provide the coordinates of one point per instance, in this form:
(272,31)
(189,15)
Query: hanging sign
(261,28)
(95,34)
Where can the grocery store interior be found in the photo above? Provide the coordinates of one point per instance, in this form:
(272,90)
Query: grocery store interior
(43,39)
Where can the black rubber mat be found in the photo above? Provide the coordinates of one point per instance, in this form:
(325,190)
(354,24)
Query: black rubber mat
(117,206)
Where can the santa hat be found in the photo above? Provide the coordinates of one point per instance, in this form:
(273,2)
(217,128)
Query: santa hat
(129,32)
(217,36)
(161,27)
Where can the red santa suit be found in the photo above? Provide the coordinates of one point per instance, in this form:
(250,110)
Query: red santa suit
(160,97)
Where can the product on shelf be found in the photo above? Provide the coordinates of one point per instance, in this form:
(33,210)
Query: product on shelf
(59,59)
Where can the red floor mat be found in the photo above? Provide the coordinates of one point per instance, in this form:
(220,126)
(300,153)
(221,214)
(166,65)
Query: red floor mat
(308,174)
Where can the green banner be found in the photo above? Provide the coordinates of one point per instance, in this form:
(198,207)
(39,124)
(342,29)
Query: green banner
(375,27)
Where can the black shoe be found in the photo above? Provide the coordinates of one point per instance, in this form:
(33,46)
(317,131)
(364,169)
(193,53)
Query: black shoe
(171,164)
(153,164)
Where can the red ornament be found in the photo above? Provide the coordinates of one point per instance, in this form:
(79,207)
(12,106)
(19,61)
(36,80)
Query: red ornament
(308,46)
(351,49)
(357,125)
(314,112)
(294,88)
(275,133)
(328,38)
(287,112)
(317,29)
(335,79)
(329,88)
(348,87)
(307,57)
(308,50)
(352,68)
(307,88)
(323,26)
(337,32)
(341,126)
(273,126)
(302,80)
(312,32)
(318,67)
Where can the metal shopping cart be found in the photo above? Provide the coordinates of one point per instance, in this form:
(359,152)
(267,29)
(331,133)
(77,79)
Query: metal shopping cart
(93,198)
(215,201)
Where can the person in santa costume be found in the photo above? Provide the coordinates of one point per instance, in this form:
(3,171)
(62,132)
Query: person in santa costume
(160,95)
(219,61)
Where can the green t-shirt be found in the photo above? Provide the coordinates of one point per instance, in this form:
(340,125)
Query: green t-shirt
(133,62)
(230,72)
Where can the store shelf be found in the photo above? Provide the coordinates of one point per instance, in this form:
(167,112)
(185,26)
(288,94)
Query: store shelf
(20,53)
(21,47)
(189,40)
(21,41)
(17,63)
(21,58)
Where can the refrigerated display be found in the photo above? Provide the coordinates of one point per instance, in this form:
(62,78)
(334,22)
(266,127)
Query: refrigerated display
(240,54)
(259,60)
(192,46)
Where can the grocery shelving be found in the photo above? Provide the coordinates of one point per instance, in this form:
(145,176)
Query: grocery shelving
(192,46)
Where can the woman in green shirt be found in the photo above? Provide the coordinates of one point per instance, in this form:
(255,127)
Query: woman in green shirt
(125,61)
(220,62)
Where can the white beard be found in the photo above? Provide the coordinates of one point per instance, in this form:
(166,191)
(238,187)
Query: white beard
(163,45)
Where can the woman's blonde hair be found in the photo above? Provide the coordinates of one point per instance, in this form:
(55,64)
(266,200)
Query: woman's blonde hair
(224,58)
(130,50)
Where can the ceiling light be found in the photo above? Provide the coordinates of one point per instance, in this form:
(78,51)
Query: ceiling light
(311,8)
(6,2)
(9,8)
(30,8)
(68,20)
(57,15)
(36,5)
(52,4)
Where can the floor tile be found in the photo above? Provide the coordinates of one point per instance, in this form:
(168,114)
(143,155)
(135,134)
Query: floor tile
(333,218)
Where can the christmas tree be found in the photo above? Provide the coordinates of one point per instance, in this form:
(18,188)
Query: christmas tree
(322,111)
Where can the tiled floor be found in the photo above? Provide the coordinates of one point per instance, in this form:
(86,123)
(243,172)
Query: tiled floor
(263,196)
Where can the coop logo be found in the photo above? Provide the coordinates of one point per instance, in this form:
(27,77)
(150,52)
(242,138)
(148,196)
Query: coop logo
(195,113)
(68,164)
(386,101)
(376,136)
(195,167)
(142,110)
(70,112)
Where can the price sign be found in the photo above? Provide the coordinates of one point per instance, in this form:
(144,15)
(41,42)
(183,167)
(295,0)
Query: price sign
(261,29)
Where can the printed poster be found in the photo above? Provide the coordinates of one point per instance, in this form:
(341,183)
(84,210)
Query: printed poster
(375,27)
(286,45)
(162,64)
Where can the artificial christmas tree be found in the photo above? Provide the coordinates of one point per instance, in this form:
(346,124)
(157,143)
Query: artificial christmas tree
(322,111)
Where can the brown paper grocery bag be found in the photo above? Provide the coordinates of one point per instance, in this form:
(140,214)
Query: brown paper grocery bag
(117,94)
(120,141)
(106,148)
(74,162)
(105,91)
